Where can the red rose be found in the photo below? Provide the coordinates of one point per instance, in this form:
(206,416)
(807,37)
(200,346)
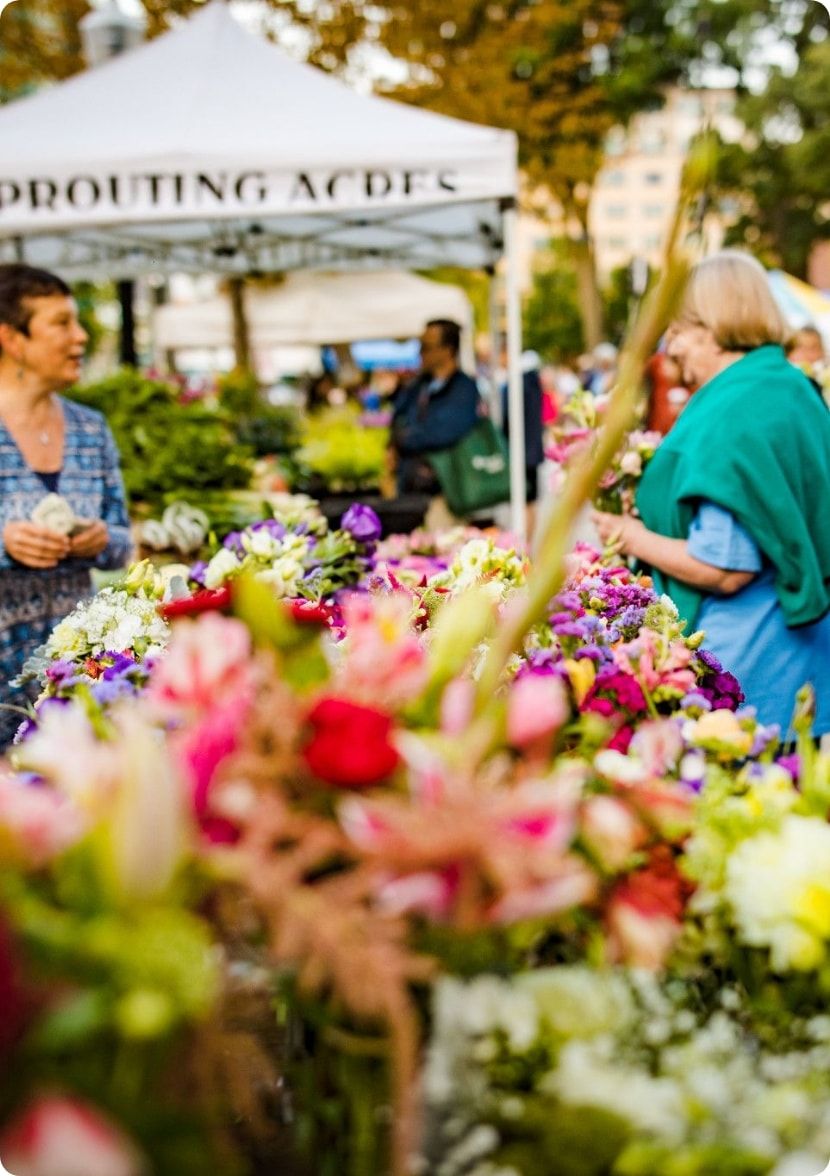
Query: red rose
(207,600)
(350,744)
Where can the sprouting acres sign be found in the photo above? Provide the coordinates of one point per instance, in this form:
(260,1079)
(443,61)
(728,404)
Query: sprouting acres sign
(45,200)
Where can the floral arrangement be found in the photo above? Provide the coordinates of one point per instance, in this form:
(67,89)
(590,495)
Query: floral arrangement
(526,884)
(575,431)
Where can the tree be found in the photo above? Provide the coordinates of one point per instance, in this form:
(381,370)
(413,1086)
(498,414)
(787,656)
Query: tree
(776,182)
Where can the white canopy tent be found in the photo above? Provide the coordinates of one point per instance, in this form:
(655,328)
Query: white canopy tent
(317,308)
(210,150)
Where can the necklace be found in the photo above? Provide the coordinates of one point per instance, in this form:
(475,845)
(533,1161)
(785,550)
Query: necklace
(43,437)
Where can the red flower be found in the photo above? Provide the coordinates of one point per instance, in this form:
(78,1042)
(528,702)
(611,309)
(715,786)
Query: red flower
(13,1000)
(206,600)
(350,744)
(92,668)
(309,612)
(658,889)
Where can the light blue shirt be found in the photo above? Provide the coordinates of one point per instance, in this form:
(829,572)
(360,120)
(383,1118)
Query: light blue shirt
(747,631)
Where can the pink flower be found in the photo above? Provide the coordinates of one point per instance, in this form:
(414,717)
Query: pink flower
(646,911)
(537,706)
(36,823)
(206,683)
(64,1137)
(384,662)
(658,745)
(457,705)
(656,667)
(207,664)
(611,831)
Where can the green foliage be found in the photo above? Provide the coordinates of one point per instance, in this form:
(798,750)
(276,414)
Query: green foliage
(261,427)
(341,452)
(87,295)
(552,317)
(552,321)
(166,447)
(774,183)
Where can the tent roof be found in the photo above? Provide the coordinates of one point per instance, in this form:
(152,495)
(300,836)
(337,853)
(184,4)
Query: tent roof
(318,308)
(209,148)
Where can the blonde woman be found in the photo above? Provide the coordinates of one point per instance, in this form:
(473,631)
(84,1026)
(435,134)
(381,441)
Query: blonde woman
(735,506)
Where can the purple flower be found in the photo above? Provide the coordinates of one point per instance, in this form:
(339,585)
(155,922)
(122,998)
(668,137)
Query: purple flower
(107,692)
(121,664)
(763,737)
(710,661)
(696,700)
(362,523)
(791,764)
(233,542)
(197,572)
(62,672)
(273,526)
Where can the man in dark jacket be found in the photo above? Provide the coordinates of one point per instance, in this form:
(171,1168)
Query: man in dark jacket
(435,410)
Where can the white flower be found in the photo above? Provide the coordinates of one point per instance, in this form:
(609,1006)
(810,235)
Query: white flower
(585,1078)
(261,543)
(631,463)
(778,885)
(223,565)
(669,606)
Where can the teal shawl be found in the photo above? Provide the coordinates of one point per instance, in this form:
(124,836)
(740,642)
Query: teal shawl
(755,440)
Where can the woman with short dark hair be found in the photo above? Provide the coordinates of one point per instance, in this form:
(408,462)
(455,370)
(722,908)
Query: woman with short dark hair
(48,445)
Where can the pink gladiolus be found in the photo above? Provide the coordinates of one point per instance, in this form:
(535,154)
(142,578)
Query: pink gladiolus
(63,1137)
(536,709)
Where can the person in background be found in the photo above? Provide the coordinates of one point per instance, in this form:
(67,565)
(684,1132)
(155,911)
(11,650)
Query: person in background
(735,504)
(806,349)
(667,393)
(600,378)
(48,445)
(534,443)
(434,411)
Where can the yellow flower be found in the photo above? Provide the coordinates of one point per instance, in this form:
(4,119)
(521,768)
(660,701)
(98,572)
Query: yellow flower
(812,909)
(722,729)
(581,673)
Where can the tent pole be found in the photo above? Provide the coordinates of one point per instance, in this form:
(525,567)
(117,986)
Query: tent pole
(495,347)
(515,390)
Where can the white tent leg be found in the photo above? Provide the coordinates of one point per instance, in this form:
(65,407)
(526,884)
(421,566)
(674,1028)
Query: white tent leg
(494,312)
(515,394)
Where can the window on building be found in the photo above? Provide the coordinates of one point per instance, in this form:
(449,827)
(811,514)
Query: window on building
(653,140)
(653,179)
(690,105)
(653,211)
(616,211)
(615,242)
(615,141)
(652,241)
(614,179)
